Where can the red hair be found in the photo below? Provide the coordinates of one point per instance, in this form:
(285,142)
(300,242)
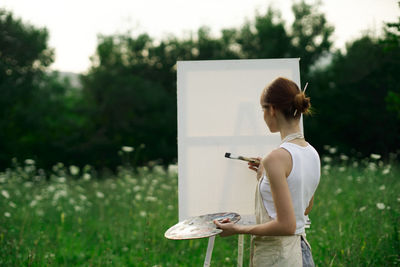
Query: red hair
(284,95)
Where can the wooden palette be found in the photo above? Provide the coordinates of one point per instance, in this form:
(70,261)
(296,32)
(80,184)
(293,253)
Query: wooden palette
(199,226)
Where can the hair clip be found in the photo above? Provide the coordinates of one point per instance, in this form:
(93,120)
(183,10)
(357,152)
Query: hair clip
(305,87)
(304,90)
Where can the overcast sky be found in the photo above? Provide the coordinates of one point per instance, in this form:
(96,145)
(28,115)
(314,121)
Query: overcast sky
(74,24)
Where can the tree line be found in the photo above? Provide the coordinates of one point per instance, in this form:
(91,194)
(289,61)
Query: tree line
(128,95)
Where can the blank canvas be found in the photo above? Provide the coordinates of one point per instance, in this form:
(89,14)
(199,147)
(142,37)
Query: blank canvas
(219,111)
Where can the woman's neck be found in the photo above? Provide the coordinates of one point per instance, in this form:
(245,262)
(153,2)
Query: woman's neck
(289,128)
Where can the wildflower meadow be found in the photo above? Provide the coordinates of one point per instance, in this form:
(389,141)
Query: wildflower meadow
(71,216)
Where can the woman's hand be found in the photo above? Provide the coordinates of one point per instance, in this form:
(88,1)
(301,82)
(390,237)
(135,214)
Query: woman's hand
(228,227)
(256,166)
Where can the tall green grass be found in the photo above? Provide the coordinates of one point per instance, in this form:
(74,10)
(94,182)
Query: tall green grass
(68,218)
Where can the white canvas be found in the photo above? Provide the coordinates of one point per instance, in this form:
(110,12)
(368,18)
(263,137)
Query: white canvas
(219,111)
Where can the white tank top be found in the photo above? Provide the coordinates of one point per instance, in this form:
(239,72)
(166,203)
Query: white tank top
(302,180)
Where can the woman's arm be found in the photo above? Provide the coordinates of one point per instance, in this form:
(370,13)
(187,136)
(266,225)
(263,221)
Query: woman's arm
(275,165)
(308,209)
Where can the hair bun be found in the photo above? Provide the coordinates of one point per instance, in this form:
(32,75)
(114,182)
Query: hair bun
(301,103)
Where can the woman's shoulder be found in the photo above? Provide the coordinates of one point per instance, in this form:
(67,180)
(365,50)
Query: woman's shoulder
(276,157)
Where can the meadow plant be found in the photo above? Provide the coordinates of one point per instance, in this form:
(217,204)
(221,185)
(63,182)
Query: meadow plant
(68,217)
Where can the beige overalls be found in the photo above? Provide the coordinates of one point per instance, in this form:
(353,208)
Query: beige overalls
(273,250)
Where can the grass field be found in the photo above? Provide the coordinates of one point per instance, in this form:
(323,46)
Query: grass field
(69,218)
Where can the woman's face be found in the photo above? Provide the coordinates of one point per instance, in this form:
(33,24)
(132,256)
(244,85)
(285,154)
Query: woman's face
(269,117)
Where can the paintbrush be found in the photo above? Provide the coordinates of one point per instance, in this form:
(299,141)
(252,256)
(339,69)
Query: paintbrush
(231,156)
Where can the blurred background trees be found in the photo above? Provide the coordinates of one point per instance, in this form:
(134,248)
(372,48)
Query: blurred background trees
(128,96)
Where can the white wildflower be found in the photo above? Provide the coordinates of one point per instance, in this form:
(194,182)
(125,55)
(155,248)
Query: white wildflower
(143,213)
(326,147)
(7,214)
(99,194)
(375,156)
(137,188)
(159,169)
(382,187)
(59,194)
(12,204)
(227,259)
(386,170)
(327,159)
(344,157)
(86,177)
(29,162)
(33,203)
(154,181)
(5,194)
(74,170)
(82,197)
(338,191)
(342,169)
(61,179)
(51,188)
(362,209)
(170,207)
(2,179)
(49,255)
(173,169)
(138,197)
(332,150)
(166,187)
(151,199)
(127,149)
(28,184)
(29,168)
(372,166)
(327,167)
(380,206)
(40,212)
(77,208)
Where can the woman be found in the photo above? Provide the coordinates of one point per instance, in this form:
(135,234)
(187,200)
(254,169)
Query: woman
(287,179)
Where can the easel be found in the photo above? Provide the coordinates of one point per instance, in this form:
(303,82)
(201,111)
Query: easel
(207,260)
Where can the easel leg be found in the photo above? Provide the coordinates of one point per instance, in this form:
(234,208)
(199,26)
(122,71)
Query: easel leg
(210,247)
(240,251)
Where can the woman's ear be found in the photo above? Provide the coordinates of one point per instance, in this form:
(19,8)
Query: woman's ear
(272,110)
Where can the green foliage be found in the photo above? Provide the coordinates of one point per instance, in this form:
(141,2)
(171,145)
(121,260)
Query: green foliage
(310,36)
(128,96)
(71,219)
(350,96)
(131,100)
(131,86)
(24,55)
(391,45)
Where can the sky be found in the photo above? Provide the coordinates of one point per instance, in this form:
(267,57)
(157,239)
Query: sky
(74,25)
